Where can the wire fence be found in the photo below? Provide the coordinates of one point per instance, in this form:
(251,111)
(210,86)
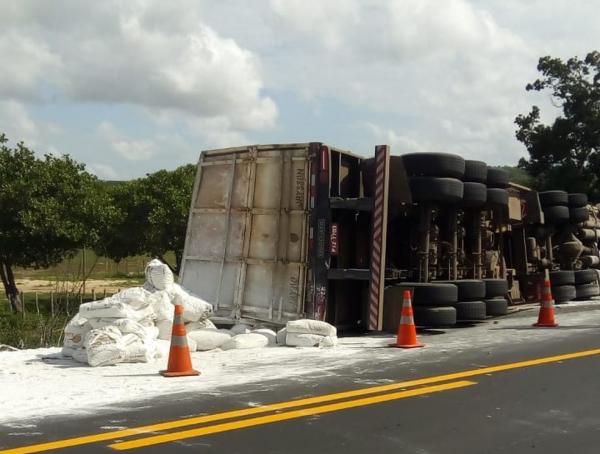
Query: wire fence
(54,303)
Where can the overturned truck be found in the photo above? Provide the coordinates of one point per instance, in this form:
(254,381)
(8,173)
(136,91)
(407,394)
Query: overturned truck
(280,232)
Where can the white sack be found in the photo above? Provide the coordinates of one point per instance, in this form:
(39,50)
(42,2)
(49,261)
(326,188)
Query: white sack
(67,352)
(141,314)
(127,326)
(138,353)
(306,326)
(165,328)
(202,324)
(146,322)
(106,354)
(208,339)
(328,341)
(309,340)
(106,308)
(129,339)
(159,275)
(102,336)
(281,336)
(162,306)
(152,332)
(112,308)
(138,350)
(268,333)
(240,328)
(136,297)
(80,355)
(103,322)
(192,346)
(75,331)
(194,308)
(241,341)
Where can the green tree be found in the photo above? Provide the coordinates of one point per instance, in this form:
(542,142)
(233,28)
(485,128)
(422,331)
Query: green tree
(564,154)
(151,216)
(50,207)
(519,176)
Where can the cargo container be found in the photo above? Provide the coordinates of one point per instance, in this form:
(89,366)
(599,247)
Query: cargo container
(280,232)
(260,241)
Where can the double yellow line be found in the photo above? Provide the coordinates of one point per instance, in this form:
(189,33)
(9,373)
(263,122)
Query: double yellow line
(293,406)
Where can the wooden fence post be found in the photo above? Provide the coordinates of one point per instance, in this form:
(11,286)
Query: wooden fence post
(37,304)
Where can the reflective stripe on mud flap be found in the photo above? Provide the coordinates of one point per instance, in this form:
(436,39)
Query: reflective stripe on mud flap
(378,239)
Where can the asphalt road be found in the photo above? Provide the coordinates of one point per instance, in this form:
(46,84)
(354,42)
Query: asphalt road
(550,406)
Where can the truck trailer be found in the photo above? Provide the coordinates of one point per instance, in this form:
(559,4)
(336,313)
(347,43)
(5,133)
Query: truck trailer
(288,231)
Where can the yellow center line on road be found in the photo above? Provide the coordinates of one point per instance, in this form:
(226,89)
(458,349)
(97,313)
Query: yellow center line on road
(292,414)
(167,425)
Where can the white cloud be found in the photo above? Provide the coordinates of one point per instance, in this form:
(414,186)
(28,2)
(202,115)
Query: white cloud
(399,144)
(422,75)
(326,21)
(139,52)
(449,68)
(135,150)
(17,123)
(103,171)
(130,149)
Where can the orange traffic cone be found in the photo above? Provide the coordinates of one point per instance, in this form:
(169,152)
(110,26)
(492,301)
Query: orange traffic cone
(407,332)
(180,360)
(546,316)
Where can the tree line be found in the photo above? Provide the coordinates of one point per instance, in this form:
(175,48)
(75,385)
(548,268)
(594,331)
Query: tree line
(50,207)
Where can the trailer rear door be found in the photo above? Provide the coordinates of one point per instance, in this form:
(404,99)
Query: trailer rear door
(247,232)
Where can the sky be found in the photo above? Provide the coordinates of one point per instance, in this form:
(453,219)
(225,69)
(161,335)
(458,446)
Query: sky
(131,87)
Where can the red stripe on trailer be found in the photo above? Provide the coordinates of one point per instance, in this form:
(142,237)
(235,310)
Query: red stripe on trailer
(378,237)
(324,174)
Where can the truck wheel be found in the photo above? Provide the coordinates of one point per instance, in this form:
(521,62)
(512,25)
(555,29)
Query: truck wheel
(586,291)
(438,190)
(470,310)
(469,289)
(474,194)
(562,277)
(497,197)
(495,288)
(571,248)
(553,198)
(556,214)
(564,293)
(578,215)
(585,277)
(496,306)
(475,171)
(430,294)
(444,165)
(435,316)
(497,178)
(577,200)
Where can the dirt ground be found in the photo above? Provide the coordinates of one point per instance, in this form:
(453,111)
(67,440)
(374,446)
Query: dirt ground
(97,285)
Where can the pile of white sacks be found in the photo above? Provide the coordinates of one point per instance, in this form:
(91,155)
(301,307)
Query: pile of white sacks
(127,326)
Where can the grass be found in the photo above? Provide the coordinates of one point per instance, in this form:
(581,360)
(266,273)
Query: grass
(86,261)
(42,323)
(45,315)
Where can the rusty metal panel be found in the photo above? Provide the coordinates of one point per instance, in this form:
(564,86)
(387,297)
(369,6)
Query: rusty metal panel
(247,232)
